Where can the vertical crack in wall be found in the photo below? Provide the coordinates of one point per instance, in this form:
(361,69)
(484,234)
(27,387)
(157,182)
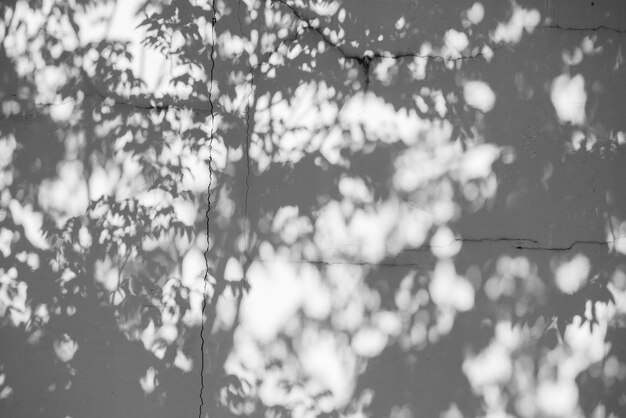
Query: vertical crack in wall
(208,239)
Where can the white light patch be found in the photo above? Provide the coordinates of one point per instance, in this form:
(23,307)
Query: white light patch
(369,342)
(448,290)
(476,13)
(186,212)
(588,345)
(148,381)
(455,41)
(444,244)
(379,120)
(168,333)
(65,348)
(618,243)
(479,95)
(491,366)
(322,359)
(477,162)
(572,275)
(569,98)
(274,298)
(511,32)
(193,267)
(233,272)
(557,399)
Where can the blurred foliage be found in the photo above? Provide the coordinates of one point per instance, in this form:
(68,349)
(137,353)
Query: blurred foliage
(326,118)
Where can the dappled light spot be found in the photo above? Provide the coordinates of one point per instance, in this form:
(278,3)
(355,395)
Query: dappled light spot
(65,348)
(6,392)
(617,239)
(233,271)
(325,358)
(311,208)
(183,362)
(569,98)
(492,366)
(273,299)
(290,226)
(449,290)
(31,221)
(479,95)
(456,42)
(167,333)
(571,275)
(444,244)
(588,342)
(477,162)
(149,381)
(369,342)
(521,20)
(476,13)
(557,398)
(379,120)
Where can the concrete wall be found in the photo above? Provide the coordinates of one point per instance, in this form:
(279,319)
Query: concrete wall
(407,209)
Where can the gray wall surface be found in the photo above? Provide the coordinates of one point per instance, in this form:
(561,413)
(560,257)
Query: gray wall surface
(357,208)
